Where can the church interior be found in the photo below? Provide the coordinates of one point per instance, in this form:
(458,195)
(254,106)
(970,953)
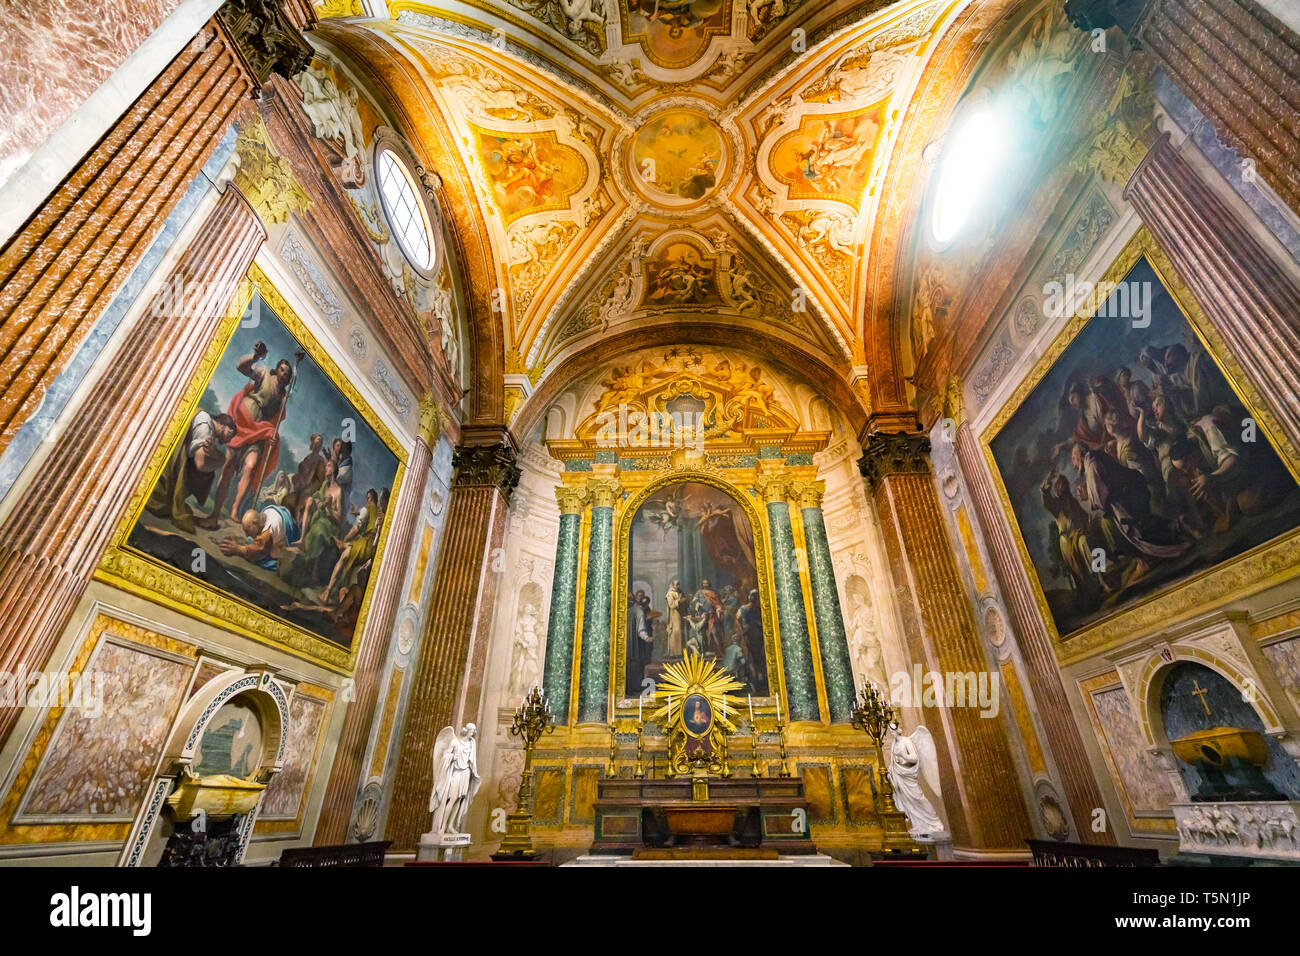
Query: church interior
(594,433)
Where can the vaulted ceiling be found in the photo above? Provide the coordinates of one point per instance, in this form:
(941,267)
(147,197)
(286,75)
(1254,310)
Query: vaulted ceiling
(621,172)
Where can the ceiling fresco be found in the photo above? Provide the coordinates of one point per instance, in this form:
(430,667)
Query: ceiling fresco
(643,162)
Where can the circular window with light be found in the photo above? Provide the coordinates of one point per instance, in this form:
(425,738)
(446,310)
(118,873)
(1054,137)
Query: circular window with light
(407,217)
(967,163)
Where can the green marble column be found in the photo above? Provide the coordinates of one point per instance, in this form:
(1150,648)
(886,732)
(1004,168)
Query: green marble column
(564,604)
(837,671)
(593,676)
(796,648)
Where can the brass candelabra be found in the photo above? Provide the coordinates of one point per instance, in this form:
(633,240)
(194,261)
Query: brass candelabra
(780,730)
(533,718)
(874,714)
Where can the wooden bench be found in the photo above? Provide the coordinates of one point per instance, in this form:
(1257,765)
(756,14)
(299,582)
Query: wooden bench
(349,854)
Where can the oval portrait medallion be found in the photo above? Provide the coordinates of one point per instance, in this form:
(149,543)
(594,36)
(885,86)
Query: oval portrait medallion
(697,716)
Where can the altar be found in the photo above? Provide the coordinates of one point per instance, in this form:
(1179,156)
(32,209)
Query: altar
(741,818)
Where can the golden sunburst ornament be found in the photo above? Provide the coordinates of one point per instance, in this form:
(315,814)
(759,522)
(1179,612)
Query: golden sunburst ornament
(688,680)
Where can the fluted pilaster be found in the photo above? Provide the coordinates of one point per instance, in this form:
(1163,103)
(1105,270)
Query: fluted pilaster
(51,544)
(448,680)
(346,771)
(61,270)
(982,791)
(1252,303)
(1077,779)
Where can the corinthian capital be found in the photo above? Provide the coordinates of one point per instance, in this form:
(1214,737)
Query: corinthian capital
(265,36)
(902,453)
(604,491)
(571,499)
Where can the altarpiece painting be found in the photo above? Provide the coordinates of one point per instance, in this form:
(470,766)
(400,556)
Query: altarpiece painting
(693,585)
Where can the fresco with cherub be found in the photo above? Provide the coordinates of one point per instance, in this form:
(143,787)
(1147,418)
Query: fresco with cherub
(276,489)
(693,586)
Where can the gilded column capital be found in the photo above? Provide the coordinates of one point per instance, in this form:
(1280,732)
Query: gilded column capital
(604,491)
(772,486)
(899,453)
(479,465)
(809,494)
(571,499)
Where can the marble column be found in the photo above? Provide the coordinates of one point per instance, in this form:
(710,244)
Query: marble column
(60,271)
(986,809)
(837,670)
(597,609)
(51,544)
(448,681)
(1252,303)
(1082,793)
(792,620)
(402,519)
(1237,63)
(558,667)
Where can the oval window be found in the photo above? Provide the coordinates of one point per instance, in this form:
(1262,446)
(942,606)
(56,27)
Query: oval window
(968,162)
(407,217)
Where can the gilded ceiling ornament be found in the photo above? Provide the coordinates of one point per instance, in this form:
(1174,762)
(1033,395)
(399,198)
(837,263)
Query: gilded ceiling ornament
(1123,131)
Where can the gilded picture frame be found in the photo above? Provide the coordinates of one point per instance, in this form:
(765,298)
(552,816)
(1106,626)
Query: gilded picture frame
(623,521)
(1246,573)
(141,574)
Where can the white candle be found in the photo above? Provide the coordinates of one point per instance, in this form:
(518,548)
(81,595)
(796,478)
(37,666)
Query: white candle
(751,708)
(724,706)
(639,701)
(778,710)
(670,708)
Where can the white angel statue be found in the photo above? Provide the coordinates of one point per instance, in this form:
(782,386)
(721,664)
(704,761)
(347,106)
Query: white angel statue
(910,759)
(455,778)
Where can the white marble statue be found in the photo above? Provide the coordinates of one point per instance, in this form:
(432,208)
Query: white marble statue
(911,758)
(335,117)
(455,779)
(524,672)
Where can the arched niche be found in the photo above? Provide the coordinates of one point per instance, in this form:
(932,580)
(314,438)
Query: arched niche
(245,705)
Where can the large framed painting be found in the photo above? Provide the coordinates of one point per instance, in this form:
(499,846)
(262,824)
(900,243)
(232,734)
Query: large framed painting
(1133,462)
(692,577)
(264,510)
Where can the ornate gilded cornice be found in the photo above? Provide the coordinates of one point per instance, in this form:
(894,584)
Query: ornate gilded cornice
(900,453)
(486,465)
(266,38)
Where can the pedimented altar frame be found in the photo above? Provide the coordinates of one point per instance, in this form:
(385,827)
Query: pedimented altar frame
(136,573)
(1262,566)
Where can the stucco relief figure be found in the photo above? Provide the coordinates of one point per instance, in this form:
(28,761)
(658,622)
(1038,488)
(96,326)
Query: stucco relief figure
(455,778)
(868,659)
(524,672)
(335,117)
(912,758)
(578,12)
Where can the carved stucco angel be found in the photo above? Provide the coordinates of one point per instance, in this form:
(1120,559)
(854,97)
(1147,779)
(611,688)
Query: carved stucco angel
(911,758)
(455,778)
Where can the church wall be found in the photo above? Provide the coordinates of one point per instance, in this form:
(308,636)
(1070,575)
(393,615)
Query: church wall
(343,326)
(1138,779)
